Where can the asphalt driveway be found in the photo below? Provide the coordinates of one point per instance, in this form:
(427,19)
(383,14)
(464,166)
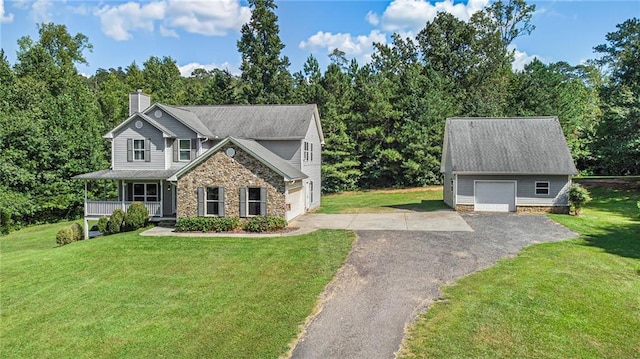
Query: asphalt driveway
(391,276)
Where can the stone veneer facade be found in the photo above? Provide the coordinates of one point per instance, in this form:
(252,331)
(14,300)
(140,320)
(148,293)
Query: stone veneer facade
(220,170)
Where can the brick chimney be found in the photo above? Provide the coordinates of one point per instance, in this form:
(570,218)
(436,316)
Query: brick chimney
(138,102)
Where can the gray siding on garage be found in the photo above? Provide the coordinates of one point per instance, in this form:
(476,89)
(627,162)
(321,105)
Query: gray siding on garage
(448,177)
(147,132)
(288,150)
(558,189)
(313,168)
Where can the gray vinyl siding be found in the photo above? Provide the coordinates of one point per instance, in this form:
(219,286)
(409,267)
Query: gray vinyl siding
(525,187)
(145,133)
(313,168)
(448,177)
(181,131)
(289,151)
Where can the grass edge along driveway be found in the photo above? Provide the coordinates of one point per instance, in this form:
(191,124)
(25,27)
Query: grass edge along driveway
(146,297)
(574,299)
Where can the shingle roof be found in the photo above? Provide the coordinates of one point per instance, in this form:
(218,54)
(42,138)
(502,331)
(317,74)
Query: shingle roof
(188,118)
(165,131)
(256,121)
(129,174)
(532,145)
(271,160)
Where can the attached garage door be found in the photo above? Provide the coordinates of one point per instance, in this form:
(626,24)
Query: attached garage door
(495,196)
(295,200)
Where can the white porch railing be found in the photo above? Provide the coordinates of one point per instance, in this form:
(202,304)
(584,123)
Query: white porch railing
(105,208)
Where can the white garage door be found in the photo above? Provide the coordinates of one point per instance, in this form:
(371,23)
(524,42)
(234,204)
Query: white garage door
(495,196)
(295,200)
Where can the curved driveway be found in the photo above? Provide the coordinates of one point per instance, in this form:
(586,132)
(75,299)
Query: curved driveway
(390,276)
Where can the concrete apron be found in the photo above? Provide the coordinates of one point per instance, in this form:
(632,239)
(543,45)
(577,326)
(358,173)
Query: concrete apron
(442,221)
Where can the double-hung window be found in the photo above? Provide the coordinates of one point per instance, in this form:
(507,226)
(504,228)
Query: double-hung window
(144,192)
(253,201)
(542,188)
(138,150)
(308,151)
(211,201)
(184,149)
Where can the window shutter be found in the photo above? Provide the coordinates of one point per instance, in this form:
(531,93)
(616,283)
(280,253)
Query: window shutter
(194,148)
(221,201)
(129,150)
(311,151)
(147,150)
(243,202)
(176,150)
(200,201)
(263,201)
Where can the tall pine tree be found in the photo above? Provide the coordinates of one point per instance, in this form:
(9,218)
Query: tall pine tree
(264,71)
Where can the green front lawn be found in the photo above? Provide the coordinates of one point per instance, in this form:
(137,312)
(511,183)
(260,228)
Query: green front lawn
(380,201)
(574,299)
(149,297)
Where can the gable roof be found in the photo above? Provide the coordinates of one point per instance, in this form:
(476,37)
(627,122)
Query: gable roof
(260,122)
(256,150)
(165,131)
(526,145)
(187,118)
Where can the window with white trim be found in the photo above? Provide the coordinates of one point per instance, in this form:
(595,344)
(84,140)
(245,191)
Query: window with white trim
(253,201)
(184,150)
(542,188)
(138,150)
(308,151)
(213,201)
(144,192)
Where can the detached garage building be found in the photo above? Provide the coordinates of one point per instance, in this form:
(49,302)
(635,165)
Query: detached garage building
(506,165)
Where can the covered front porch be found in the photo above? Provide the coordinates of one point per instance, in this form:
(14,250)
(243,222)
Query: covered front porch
(148,187)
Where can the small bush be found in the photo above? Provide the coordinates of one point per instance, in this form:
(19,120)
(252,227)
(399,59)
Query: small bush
(263,224)
(64,236)
(137,216)
(276,223)
(579,196)
(207,224)
(78,232)
(114,225)
(102,225)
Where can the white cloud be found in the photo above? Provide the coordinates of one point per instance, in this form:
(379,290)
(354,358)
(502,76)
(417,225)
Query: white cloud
(207,18)
(119,21)
(199,17)
(186,70)
(5,17)
(351,45)
(168,32)
(372,18)
(521,58)
(41,10)
(411,15)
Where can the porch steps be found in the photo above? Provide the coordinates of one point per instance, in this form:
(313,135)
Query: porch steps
(169,223)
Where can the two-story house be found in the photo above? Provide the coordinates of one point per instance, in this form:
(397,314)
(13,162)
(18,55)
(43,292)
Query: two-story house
(186,161)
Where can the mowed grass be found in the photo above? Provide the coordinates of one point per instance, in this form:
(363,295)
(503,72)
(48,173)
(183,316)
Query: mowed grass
(127,296)
(382,201)
(572,299)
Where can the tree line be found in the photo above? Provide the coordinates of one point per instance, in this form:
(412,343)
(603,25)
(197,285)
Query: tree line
(383,121)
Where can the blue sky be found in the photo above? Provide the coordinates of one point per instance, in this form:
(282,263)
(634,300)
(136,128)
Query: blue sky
(203,33)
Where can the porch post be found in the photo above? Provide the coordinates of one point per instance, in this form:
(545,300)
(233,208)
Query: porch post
(86,228)
(86,221)
(85,198)
(123,196)
(161,198)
